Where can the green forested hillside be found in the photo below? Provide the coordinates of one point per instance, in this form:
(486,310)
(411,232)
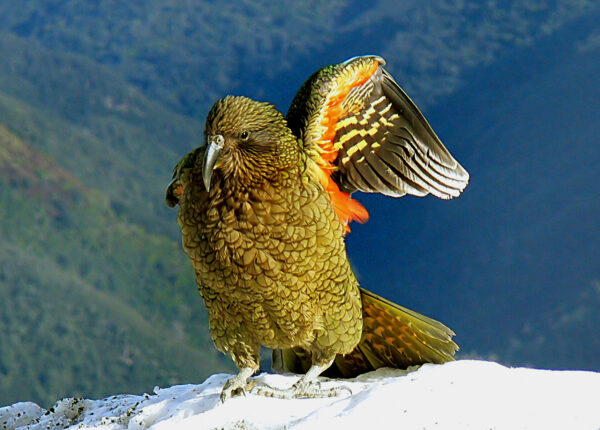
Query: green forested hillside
(187,54)
(95,125)
(184,53)
(61,336)
(95,294)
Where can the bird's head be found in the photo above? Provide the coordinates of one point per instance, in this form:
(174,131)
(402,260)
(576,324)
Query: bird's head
(246,141)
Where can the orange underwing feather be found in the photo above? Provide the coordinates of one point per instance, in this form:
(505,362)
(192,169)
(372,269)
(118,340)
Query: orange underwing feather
(346,208)
(333,110)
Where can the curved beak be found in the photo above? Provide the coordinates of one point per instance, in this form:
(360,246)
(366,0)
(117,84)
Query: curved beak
(211,157)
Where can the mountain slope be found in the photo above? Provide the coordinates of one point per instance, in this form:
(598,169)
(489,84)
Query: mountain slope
(521,242)
(101,129)
(187,54)
(164,47)
(89,282)
(62,336)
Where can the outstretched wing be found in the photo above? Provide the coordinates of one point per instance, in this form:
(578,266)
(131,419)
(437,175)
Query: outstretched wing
(365,132)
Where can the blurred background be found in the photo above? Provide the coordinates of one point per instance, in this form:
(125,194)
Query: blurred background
(99,99)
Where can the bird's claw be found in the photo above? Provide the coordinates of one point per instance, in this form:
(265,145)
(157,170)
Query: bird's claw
(300,390)
(236,386)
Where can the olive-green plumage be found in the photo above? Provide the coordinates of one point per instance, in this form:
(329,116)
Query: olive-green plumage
(265,243)
(267,247)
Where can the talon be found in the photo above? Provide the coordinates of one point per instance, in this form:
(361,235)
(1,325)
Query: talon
(237,385)
(301,390)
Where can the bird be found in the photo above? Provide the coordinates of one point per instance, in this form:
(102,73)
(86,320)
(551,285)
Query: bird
(265,202)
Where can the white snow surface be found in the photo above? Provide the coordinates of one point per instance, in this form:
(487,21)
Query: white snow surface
(464,394)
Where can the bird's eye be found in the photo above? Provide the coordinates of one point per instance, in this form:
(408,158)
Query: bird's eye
(245,135)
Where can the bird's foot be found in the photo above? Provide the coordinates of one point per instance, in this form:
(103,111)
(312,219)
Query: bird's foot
(302,390)
(237,385)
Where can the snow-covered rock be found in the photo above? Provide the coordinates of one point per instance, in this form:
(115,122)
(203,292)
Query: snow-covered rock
(458,395)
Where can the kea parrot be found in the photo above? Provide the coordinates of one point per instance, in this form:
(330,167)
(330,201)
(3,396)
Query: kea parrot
(264,205)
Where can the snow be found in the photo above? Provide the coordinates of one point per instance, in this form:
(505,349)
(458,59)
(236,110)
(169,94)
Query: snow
(465,394)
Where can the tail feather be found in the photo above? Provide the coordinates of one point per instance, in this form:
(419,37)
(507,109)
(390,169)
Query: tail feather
(400,337)
(393,336)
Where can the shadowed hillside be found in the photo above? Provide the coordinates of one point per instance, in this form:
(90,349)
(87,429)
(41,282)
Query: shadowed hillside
(519,247)
(90,284)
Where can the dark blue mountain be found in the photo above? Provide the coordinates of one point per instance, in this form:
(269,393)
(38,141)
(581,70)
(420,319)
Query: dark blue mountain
(522,241)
